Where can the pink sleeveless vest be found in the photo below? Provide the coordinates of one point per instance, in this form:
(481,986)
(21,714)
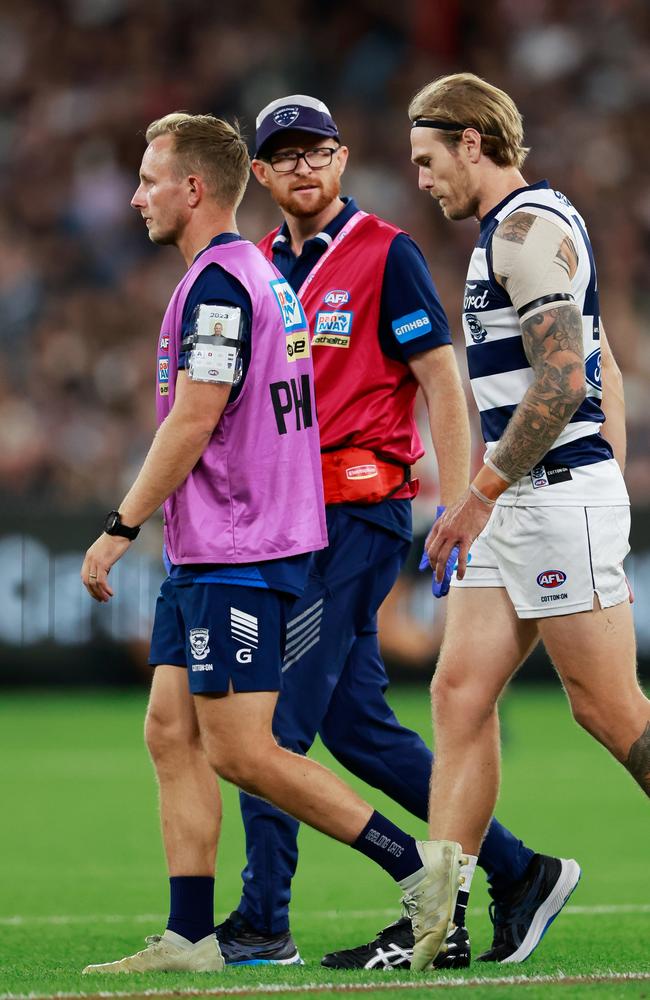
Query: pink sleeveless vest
(256,493)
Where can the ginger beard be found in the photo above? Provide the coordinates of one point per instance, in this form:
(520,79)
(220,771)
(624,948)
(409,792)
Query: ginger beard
(321,189)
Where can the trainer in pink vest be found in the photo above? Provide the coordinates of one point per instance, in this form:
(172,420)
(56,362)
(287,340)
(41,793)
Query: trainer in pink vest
(256,493)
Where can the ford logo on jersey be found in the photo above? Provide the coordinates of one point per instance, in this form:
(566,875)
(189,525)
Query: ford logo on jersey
(551,578)
(592,369)
(337,297)
(477,297)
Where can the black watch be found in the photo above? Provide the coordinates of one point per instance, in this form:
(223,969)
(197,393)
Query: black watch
(113,526)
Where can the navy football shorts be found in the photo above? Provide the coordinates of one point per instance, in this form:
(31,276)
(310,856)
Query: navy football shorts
(224,635)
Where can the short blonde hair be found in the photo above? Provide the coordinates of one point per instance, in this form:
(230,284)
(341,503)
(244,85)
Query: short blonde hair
(474,103)
(210,147)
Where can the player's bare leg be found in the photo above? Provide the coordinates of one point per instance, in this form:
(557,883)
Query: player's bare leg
(484,644)
(239,743)
(190,803)
(237,736)
(595,655)
(190,813)
(485,641)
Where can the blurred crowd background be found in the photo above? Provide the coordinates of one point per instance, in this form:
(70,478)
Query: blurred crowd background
(82,290)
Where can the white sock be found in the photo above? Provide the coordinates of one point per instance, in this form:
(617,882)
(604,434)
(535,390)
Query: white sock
(181,941)
(411,881)
(466,874)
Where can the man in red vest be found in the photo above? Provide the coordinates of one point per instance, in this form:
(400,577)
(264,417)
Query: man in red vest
(378,333)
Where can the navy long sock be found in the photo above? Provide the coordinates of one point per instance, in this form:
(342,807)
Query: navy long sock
(503,856)
(191,907)
(387,845)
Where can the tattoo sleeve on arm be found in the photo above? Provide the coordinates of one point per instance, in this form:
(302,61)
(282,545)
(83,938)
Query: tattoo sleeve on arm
(568,257)
(553,345)
(515,227)
(638,761)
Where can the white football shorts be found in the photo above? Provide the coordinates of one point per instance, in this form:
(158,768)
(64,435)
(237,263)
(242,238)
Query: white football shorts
(552,560)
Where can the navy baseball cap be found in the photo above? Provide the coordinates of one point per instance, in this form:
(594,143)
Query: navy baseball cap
(296,112)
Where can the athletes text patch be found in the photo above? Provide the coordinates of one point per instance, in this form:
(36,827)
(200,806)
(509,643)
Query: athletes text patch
(411,326)
(333,328)
(163,376)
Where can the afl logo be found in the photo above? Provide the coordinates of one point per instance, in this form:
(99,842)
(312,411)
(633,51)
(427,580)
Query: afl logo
(336,298)
(592,369)
(551,578)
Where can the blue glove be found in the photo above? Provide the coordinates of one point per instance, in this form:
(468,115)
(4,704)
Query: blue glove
(441,589)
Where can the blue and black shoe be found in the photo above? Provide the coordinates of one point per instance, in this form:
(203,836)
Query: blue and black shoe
(241,944)
(393,949)
(523,914)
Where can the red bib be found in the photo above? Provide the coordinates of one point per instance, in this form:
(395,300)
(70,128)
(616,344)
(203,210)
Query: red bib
(364,399)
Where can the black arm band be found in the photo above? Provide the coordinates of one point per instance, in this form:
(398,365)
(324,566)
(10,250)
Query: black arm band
(545,301)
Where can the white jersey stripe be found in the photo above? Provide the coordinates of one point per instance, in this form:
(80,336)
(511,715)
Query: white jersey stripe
(494,391)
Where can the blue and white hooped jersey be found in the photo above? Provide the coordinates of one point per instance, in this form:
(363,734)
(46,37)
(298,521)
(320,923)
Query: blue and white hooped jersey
(499,370)
(498,367)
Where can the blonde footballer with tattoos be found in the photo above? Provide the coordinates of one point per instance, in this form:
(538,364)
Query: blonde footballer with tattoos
(549,504)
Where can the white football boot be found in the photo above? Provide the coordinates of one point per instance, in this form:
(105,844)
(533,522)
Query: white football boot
(431,901)
(169,952)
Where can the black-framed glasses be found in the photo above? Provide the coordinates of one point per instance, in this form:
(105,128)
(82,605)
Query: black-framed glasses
(286,163)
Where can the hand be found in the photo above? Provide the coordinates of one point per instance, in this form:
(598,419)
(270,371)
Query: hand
(101,555)
(458,526)
(439,589)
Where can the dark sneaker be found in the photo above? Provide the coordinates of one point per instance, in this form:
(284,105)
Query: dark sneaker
(522,917)
(242,945)
(455,953)
(393,948)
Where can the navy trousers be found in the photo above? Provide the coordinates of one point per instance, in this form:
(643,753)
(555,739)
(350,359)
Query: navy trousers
(333,685)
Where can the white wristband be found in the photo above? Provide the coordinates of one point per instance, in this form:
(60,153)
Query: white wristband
(495,468)
(477,493)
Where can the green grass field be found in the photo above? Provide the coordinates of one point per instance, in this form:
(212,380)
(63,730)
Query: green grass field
(82,875)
